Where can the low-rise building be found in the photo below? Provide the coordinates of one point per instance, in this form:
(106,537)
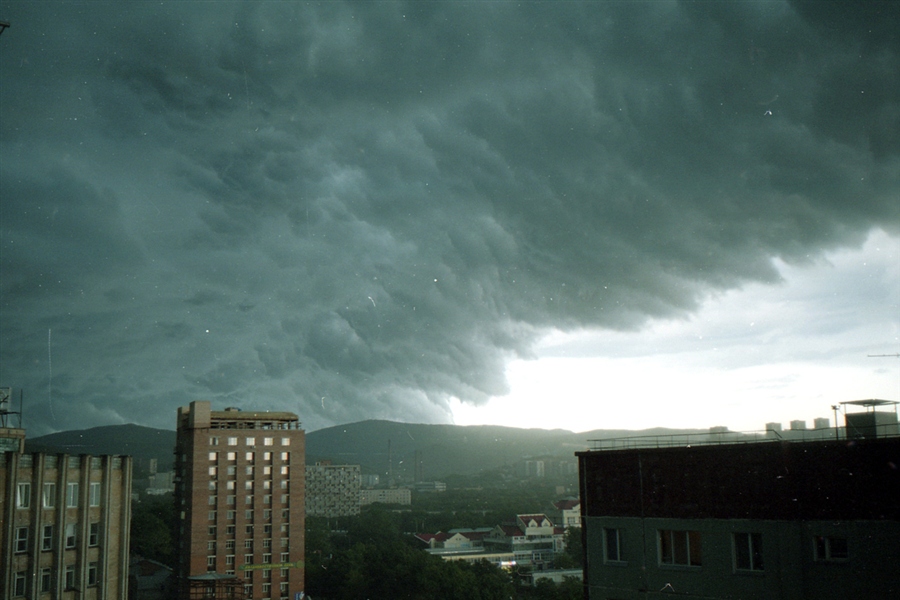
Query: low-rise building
(532,539)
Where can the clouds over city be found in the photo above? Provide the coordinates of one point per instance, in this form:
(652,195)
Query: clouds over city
(364,209)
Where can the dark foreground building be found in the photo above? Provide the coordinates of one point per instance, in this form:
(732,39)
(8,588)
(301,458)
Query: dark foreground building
(741,518)
(239,492)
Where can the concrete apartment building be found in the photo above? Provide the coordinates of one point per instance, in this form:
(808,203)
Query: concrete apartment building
(64,522)
(332,490)
(736,516)
(239,491)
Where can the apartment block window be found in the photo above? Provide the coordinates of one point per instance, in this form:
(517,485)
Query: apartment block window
(284,498)
(267,470)
(70,577)
(248,485)
(248,500)
(248,588)
(213,471)
(248,514)
(23,495)
(268,441)
(94,494)
(267,456)
(266,589)
(230,514)
(70,535)
(283,588)
(267,499)
(232,441)
(285,456)
(94,534)
(212,531)
(19,583)
(71,495)
(232,500)
(267,558)
(229,530)
(285,542)
(612,545)
(830,548)
(248,559)
(267,573)
(681,548)
(210,563)
(284,575)
(49,496)
(267,543)
(21,544)
(229,559)
(47,538)
(267,484)
(249,530)
(211,516)
(285,556)
(213,486)
(232,456)
(213,456)
(248,543)
(251,441)
(249,470)
(212,500)
(267,528)
(748,554)
(230,485)
(93,573)
(229,544)
(285,529)
(46,579)
(232,471)
(249,457)
(210,546)
(284,484)
(213,441)
(267,514)
(285,470)
(285,441)
(285,513)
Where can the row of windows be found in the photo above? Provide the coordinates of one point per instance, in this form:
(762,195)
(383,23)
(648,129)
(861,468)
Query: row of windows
(250,515)
(250,441)
(48,536)
(232,500)
(682,548)
(48,497)
(250,529)
(248,559)
(249,485)
(230,544)
(45,579)
(249,470)
(250,456)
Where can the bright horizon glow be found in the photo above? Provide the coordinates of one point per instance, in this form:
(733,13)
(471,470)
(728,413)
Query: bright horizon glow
(764,353)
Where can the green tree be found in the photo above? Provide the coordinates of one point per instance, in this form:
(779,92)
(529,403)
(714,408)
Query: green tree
(152,524)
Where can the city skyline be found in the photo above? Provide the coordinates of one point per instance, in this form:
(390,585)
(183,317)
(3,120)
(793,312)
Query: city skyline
(449,212)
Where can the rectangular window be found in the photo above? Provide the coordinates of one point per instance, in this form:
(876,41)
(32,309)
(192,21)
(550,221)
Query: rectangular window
(267,543)
(267,456)
(249,470)
(285,470)
(93,573)
(21,539)
(47,538)
(283,484)
(284,575)
(251,441)
(213,486)
(70,577)
(267,484)
(212,500)
(285,513)
(248,499)
(94,493)
(285,456)
(267,573)
(248,559)
(284,498)
(213,471)
(285,542)
(212,531)
(612,545)
(229,544)
(830,548)
(285,556)
(679,548)
(71,495)
(19,583)
(232,471)
(285,529)
(249,530)
(49,497)
(210,562)
(211,516)
(267,514)
(248,485)
(210,546)
(248,515)
(213,441)
(94,534)
(268,441)
(285,441)
(213,456)
(230,514)
(248,543)
(249,456)
(266,589)
(23,495)
(748,554)
(229,559)
(70,535)
(46,579)
(232,456)
(267,529)
(267,559)
(283,588)
(267,499)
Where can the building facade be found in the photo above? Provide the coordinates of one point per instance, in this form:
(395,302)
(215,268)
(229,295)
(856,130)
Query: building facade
(240,495)
(769,519)
(65,525)
(332,490)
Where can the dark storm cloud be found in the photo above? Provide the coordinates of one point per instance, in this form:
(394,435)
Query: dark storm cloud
(359,210)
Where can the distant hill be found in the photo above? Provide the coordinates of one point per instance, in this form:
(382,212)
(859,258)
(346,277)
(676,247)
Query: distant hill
(142,443)
(377,446)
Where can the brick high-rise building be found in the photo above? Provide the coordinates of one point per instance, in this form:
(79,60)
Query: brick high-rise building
(239,492)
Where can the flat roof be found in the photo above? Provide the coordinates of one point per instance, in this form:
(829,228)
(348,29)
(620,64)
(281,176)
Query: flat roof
(870,402)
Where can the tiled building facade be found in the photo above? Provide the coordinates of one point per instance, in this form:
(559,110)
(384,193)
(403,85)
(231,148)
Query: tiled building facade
(240,495)
(65,525)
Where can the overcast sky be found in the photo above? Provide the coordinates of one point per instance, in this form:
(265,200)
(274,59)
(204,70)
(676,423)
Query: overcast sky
(438,211)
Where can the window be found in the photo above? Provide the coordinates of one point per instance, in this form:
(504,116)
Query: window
(229,559)
(612,545)
(70,535)
(266,589)
(248,515)
(267,456)
(23,495)
(285,441)
(46,579)
(248,485)
(249,470)
(210,562)
(94,534)
(249,530)
(829,548)
(70,577)
(49,496)
(285,456)
(285,529)
(283,588)
(213,456)
(47,538)
(748,554)
(213,471)
(285,470)
(284,575)
(267,573)
(267,484)
(93,573)
(251,441)
(212,500)
(230,514)
(232,456)
(283,484)
(248,543)
(267,499)
(267,543)
(267,514)
(267,470)
(95,494)
(285,556)
(284,498)
(268,441)
(232,471)
(248,559)
(211,516)
(285,513)
(232,441)
(249,457)
(71,495)
(267,528)
(210,546)
(248,499)
(212,531)
(21,539)
(267,559)
(679,548)
(285,542)
(213,441)
(213,486)
(19,583)
(229,544)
